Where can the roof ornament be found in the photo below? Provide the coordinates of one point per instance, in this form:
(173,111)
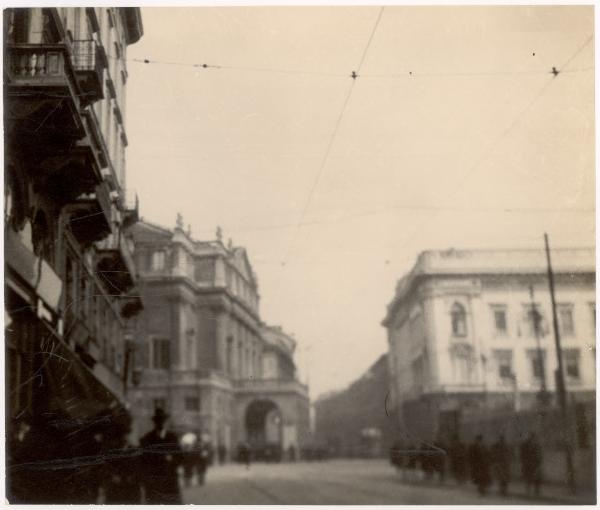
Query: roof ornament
(230,244)
(219,234)
(189,230)
(179,221)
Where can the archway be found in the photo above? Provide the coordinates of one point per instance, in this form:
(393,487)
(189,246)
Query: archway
(264,430)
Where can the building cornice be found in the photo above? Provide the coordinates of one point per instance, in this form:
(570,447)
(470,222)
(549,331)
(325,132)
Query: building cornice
(482,263)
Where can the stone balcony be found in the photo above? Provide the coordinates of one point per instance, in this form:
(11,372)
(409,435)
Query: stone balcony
(41,81)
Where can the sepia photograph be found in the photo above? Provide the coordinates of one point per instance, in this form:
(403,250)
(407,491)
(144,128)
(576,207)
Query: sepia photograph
(299,255)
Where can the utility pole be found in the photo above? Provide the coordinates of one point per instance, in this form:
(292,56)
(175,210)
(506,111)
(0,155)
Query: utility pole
(536,318)
(560,381)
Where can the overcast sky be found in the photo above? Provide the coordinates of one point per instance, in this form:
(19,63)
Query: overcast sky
(428,160)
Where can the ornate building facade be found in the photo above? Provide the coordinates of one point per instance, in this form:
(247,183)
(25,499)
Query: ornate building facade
(202,352)
(69,274)
(470,332)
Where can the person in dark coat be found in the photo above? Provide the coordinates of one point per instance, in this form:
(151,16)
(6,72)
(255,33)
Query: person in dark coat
(500,454)
(121,476)
(479,461)
(396,456)
(458,459)
(244,454)
(439,460)
(426,459)
(222,452)
(202,461)
(161,457)
(531,464)
(412,461)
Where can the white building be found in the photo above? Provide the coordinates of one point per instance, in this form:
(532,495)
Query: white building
(462,338)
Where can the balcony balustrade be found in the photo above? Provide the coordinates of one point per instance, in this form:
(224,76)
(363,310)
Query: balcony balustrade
(89,62)
(43,98)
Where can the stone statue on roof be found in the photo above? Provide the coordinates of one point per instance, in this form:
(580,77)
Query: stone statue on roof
(179,221)
(230,244)
(219,234)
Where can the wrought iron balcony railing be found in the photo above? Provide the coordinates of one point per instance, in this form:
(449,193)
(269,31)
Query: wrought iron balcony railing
(89,62)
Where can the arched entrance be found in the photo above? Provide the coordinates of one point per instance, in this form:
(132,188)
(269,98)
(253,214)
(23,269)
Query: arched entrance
(264,430)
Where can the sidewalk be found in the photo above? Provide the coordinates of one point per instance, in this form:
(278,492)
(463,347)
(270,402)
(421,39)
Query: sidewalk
(550,493)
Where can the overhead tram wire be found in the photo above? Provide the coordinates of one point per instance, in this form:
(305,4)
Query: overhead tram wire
(555,73)
(239,68)
(317,179)
(409,74)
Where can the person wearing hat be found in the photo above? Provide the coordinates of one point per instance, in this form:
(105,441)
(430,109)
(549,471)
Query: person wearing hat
(161,455)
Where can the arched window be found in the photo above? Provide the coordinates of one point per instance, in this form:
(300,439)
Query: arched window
(459,320)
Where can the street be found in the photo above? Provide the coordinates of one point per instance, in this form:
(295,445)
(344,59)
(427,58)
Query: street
(335,482)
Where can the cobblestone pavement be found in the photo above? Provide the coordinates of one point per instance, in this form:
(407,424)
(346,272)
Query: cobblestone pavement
(334,482)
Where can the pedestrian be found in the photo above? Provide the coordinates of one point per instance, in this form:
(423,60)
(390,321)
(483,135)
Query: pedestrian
(161,457)
(222,453)
(412,459)
(479,462)
(292,453)
(439,460)
(531,464)
(426,460)
(85,488)
(244,454)
(458,460)
(188,456)
(202,461)
(121,472)
(396,456)
(500,455)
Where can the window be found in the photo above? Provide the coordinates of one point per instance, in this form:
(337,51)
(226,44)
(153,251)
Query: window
(536,323)
(503,359)
(192,404)
(571,362)
(204,270)
(500,323)
(117,50)
(18,24)
(459,320)
(159,403)
(565,320)
(158,260)
(109,17)
(593,312)
(537,359)
(161,353)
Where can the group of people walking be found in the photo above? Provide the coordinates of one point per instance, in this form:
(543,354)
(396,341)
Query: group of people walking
(158,460)
(101,467)
(483,464)
(150,474)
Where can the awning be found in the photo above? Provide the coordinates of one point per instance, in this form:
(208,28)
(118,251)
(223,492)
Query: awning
(33,271)
(70,392)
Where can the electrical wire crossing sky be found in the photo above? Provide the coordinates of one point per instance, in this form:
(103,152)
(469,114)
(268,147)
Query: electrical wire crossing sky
(336,143)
